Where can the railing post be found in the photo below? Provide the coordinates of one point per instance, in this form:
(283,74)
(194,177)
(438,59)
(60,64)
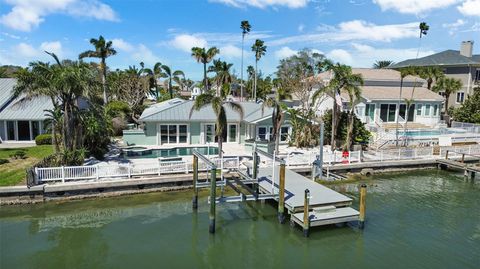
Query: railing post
(306,213)
(399,153)
(195,180)
(213,188)
(463,157)
(159,167)
(96,172)
(446,155)
(361,218)
(63,174)
(186,167)
(281,193)
(129,168)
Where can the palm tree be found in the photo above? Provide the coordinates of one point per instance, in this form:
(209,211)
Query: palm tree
(343,80)
(218,105)
(354,93)
(246,27)
(278,113)
(449,86)
(103,50)
(154,74)
(167,73)
(430,74)
(408,103)
(223,76)
(260,49)
(406,71)
(204,56)
(54,121)
(382,64)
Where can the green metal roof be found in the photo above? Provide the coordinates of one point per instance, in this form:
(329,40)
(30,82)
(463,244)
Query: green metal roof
(27,109)
(6,88)
(444,58)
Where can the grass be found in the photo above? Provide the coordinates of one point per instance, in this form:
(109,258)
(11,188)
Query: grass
(13,172)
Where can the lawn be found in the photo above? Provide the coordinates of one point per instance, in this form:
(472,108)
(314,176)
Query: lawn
(13,172)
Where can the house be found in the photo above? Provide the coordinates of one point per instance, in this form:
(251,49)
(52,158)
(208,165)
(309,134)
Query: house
(21,119)
(460,64)
(381,103)
(169,123)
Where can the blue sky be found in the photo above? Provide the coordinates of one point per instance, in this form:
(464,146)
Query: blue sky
(355,32)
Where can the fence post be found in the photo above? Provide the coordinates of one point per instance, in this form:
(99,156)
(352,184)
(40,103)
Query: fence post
(129,169)
(399,153)
(213,188)
(96,172)
(63,174)
(446,155)
(281,193)
(361,218)
(35,178)
(159,167)
(195,181)
(186,167)
(306,213)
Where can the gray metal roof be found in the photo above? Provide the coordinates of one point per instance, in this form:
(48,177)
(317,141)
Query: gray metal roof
(179,110)
(444,58)
(6,88)
(27,109)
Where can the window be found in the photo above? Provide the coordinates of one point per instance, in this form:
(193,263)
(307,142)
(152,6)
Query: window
(419,109)
(427,110)
(477,75)
(209,133)
(182,133)
(359,110)
(384,112)
(270,130)
(232,133)
(370,111)
(10,130)
(262,133)
(173,133)
(460,97)
(283,134)
(35,129)
(391,112)
(435,110)
(163,134)
(403,110)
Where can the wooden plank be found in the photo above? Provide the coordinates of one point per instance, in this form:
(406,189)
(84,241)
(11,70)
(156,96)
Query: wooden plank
(339,215)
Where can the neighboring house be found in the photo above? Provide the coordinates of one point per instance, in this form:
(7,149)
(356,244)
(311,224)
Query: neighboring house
(381,103)
(168,123)
(21,119)
(460,64)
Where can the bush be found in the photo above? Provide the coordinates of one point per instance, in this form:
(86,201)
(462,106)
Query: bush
(43,139)
(19,154)
(3,161)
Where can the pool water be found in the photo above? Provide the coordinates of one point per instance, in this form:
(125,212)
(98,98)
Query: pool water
(172,152)
(418,220)
(415,133)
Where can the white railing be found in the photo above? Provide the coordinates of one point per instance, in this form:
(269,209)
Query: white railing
(110,171)
(469,127)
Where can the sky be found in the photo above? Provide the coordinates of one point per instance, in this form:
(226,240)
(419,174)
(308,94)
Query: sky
(353,32)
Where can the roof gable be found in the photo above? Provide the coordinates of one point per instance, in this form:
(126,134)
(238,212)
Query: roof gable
(444,58)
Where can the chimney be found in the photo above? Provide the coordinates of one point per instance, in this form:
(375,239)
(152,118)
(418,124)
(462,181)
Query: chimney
(466,48)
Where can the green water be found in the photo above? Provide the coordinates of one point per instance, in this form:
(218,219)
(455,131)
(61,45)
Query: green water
(419,220)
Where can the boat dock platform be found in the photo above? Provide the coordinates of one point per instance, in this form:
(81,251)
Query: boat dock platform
(307,202)
(469,170)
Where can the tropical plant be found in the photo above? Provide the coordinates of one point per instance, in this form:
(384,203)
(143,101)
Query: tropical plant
(469,111)
(278,113)
(218,105)
(404,72)
(223,77)
(155,74)
(381,64)
(246,27)
(259,49)
(430,74)
(54,122)
(103,50)
(360,134)
(204,56)
(354,94)
(448,86)
(170,76)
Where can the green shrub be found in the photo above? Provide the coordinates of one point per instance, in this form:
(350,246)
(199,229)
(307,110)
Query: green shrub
(43,139)
(3,161)
(19,154)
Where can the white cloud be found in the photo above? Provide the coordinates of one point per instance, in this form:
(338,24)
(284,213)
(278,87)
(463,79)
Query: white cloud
(354,30)
(341,56)
(121,44)
(413,6)
(230,51)
(264,3)
(28,14)
(10,35)
(301,27)
(55,47)
(26,50)
(453,27)
(186,42)
(144,54)
(470,8)
(284,52)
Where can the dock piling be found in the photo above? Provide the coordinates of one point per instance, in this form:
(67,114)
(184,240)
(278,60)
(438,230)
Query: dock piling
(363,193)
(306,213)
(195,181)
(213,188)
(281,194)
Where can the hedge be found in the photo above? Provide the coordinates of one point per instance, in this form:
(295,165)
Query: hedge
(43,139)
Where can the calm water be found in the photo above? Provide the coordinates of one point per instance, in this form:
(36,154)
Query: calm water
(175,152)
(420,220)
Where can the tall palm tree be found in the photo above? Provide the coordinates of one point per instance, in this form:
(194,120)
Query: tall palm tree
(259,49)
(204,56)
(218,105)
(404,72)
(430,74)
(354,93)
(449,86)
(54,121)
(169,75)
(103,50)
(223,77)
(278,113)
(155,74)
(246,27)
(382,64)
(343,79)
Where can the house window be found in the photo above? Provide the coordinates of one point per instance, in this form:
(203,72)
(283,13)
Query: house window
(164,134)
(10,130)
(262,133)
(209,133)
(460,97)
(35,129)
(419,109)
(359,110)
(427,110)
(173,133)
(182,133)
(435,110)
(370,111)
(283,134)
(232,133)
(477,75)
(391,112)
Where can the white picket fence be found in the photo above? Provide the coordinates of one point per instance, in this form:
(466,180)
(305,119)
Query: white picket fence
(110,171)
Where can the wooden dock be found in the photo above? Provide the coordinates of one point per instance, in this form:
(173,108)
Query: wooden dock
(469,170)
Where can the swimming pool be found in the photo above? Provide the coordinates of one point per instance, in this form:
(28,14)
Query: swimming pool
(141,152)
(414,133)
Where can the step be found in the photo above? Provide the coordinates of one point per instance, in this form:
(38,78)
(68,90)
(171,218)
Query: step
(339,215)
